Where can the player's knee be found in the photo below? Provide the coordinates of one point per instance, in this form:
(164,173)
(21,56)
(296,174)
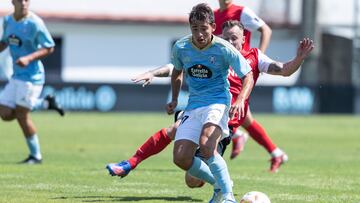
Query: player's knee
(182,161)
(20,115)
(7,115)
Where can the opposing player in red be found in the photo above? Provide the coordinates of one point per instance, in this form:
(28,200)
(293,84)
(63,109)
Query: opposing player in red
(251,22)
(233,32)
(247,17)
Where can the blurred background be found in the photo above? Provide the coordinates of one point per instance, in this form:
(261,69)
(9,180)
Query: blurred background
(102,44)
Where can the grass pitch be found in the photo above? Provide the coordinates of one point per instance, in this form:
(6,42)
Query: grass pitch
(324,161)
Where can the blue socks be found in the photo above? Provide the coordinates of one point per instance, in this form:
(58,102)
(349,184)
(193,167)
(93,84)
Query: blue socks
(200,170)
(34,146)
(220,171)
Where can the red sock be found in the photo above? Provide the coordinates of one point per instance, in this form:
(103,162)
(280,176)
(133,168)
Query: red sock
(257,132)
(155,144)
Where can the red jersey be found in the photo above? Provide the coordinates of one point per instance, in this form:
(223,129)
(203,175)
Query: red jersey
(236,84)
(231,13)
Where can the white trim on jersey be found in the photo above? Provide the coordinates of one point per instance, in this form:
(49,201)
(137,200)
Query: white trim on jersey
(263,62)
(250,20)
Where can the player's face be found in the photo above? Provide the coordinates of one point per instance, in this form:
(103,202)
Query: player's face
(21,6)
(202,33)
(235,36)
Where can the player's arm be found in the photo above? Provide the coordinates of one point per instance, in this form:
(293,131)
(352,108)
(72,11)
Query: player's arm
(3,46)
(265,36)
(147,77)
(286,69)
(239,104)
(253,22)
(176,82)
(39,54)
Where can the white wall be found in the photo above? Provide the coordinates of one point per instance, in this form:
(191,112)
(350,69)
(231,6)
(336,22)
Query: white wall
(113,52)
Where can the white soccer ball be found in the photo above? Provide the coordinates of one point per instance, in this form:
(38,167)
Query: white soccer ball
(255,197)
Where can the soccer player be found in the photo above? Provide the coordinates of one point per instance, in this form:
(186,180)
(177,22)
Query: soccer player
(247,17)
(29,41)
(251,22)
(259,62)
(229,11)
(205,60)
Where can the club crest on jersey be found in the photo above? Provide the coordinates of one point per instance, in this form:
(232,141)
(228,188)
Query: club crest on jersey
(14,40)
(199,71)
(212,59)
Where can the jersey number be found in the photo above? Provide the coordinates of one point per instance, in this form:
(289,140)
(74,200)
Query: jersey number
(183,119)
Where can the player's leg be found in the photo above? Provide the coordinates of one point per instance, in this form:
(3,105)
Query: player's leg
(193,182)
(23,109)
(7,102)
(215,125)
(6,113)
(239,139)
(186,142)
(153,145)
(29,131)
(258,133)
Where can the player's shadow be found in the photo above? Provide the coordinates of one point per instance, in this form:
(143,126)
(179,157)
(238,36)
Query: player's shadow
(128,199)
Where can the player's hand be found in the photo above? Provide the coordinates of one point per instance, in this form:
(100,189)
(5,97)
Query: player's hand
(23,61)
(237,107)
(145,78)
(170,107)
(305,47)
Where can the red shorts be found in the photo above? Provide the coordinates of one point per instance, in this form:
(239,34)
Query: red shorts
(236,122)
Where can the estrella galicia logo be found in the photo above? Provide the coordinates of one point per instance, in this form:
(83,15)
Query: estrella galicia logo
(14,40)
(199,71)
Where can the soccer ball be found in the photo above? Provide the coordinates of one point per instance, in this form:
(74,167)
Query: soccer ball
(255,197)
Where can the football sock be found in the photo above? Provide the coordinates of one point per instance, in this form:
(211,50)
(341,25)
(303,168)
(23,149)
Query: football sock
(277,152)
(220,171)
(155,144)
(236,133)
(34,146)
(200,170)
(258,133)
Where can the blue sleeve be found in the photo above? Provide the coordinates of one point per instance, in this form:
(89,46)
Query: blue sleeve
(175,60)
(238,63)
(44,39)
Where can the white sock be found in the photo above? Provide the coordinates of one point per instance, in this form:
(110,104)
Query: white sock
(277,152)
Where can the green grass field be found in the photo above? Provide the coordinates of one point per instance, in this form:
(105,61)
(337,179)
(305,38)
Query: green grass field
(324,163)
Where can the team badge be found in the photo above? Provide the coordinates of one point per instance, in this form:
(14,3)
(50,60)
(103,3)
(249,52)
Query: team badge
(212,59)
